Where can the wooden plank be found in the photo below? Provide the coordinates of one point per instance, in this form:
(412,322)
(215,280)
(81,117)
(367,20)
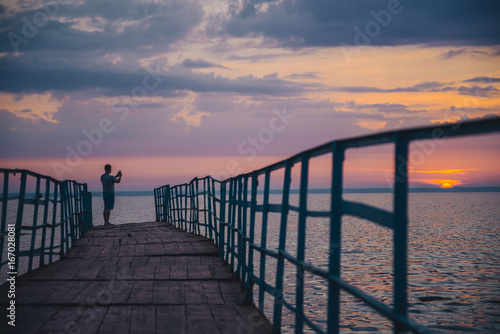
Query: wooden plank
(200,320)
(178,272)
(143,319)
(177,285)
(37,315)
(254,318)
(161,292)
(87,272)
(32,292)
(229,320)
(144,272)
(186,248)
(171,319)
(172,249)
(142,293)
(199,272)
(154,249)
(63,292)
(63,321)
(176,293)
(116,320)
(231,292)
(213,292)
(221,272)
(90,319)
(194,293)
(162,272)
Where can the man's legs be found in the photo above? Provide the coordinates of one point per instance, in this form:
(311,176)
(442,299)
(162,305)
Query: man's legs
(109,203)
(106,214)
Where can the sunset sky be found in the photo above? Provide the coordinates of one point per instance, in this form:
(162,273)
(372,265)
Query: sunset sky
(169,90)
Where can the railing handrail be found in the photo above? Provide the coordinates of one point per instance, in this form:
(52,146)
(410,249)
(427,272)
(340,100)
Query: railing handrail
(67,203)
(229,220)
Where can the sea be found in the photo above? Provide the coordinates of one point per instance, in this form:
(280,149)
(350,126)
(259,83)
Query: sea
(453,260)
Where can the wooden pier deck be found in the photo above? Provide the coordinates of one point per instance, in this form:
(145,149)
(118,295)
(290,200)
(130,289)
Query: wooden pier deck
(134,278)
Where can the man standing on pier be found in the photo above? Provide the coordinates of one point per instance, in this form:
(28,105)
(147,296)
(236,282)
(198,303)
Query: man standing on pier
(108,191)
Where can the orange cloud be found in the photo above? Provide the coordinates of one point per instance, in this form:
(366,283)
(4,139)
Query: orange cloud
(446,171)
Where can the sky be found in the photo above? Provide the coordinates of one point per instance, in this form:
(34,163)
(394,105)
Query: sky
(171,90)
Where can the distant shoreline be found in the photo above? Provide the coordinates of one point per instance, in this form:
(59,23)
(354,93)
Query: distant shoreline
(349,191)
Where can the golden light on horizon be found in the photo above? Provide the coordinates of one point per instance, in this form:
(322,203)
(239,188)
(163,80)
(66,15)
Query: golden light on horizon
(447,183)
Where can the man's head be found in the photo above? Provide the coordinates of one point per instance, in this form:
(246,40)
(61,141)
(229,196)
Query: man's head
(107,168)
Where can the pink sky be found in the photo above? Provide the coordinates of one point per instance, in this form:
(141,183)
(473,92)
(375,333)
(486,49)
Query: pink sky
(207,88)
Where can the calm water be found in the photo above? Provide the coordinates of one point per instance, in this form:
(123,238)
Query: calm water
(454,262)
(128,209)
(454,259)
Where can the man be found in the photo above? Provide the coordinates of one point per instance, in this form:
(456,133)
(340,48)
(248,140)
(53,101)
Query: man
(108,191)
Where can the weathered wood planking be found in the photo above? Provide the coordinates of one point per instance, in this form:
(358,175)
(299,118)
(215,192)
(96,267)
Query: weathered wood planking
(133,278)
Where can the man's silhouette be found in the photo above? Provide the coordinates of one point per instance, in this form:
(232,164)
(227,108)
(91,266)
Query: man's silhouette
(108,191)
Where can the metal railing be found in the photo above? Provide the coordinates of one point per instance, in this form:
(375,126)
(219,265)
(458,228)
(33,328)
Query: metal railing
(41,218)
(226,212)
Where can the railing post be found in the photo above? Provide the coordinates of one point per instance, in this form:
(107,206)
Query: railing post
(45,221)
(5,198)
(64,198)
(279,297)
(19,218)
(251,238)
(400,234)
(222,210)
(87,209)
(263,240)
(197,205)
(242,256)
(166,204)
(57,193)
(35,219)
(155,194)
(230,224)
(335,237)
(301,241)
(240,203)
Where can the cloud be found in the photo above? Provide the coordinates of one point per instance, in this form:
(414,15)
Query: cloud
(422,87)
(199,63)
(127,26)
(428,87)
(306,75)
(445,171)
(455,53)
(477,90)
(308,23)
(483,80)
(22,75)
(181,127)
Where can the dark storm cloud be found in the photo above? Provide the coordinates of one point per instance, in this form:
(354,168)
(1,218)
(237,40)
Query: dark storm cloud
(97,46)
(22,78)
(306,23)
(118,25)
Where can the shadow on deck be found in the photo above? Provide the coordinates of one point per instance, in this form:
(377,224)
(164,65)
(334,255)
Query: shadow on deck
(134,278)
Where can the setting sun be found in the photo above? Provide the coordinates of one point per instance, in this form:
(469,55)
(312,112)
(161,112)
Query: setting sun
(447,183)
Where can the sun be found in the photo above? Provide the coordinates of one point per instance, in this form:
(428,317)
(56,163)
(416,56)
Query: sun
(446,185)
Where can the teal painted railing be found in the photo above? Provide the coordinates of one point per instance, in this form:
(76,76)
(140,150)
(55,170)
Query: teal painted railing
(226,212)
(40,219)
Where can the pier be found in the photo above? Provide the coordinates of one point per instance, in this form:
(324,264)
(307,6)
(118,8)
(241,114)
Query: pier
(207,259)
(134,278)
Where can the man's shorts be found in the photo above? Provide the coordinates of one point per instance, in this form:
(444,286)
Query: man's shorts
(109,200)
